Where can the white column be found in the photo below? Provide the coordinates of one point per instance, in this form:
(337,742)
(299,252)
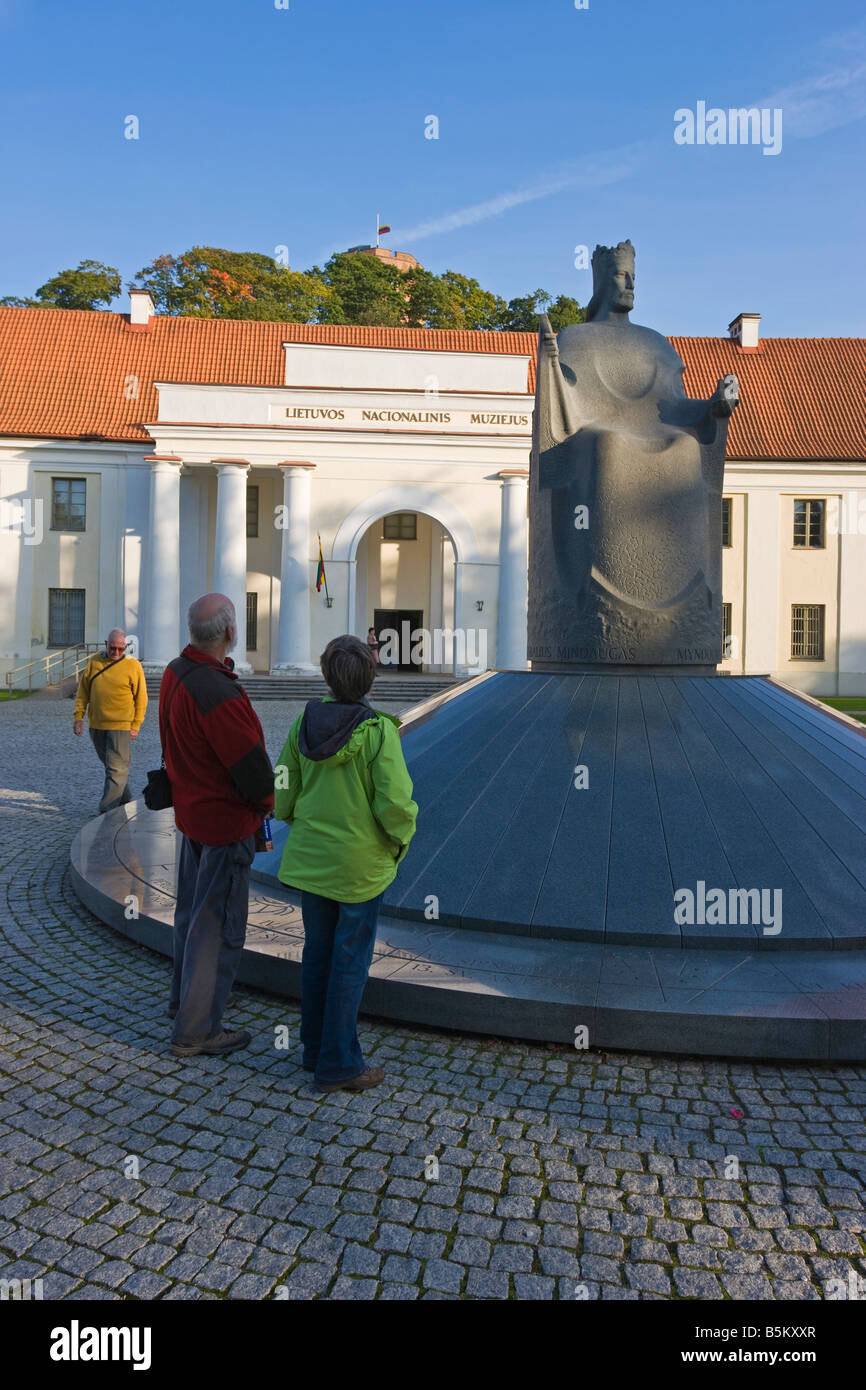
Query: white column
(511,631)
(761,636)
(460,667)
(110,593)
(293,640)
(352,584)
(357,572)
(230,547)
(435,619)
(24,520)
(133,541)
(161,626)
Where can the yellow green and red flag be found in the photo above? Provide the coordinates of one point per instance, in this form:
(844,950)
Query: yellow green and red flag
(320,572)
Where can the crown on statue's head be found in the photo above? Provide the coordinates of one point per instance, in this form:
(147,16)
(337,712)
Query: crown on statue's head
(607,258)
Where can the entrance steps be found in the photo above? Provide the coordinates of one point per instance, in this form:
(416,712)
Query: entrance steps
(403,687)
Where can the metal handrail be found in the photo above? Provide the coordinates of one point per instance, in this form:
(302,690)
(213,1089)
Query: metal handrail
(46,666)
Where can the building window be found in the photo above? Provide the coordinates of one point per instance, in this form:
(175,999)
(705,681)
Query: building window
(726,631)
(68,504)
(252,509)
(252,622)
(807,632)
(727,508)
(401,526)
(65,617)
(809,523)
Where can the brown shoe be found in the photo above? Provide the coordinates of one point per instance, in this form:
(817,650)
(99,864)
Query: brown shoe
(221,1042)
(371,1077)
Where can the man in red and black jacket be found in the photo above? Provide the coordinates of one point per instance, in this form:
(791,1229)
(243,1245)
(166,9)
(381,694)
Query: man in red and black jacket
(222,785)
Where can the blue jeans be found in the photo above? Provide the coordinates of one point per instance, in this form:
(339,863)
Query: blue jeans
(338,948)
(210,927)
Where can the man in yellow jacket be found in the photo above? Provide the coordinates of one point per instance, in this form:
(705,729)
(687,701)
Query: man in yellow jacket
(113,689)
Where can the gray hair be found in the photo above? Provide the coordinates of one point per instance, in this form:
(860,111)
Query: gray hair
(204,632)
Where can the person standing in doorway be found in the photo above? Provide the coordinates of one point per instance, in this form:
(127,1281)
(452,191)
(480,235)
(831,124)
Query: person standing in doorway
(343,786)
(373,644)
(112,690)
(222,785)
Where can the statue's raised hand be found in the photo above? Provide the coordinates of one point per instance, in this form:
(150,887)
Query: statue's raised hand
(547,337)
(726,396)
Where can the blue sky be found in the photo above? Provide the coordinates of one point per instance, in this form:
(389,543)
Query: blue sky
(262,127)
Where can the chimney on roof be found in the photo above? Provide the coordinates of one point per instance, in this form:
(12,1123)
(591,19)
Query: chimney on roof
(744,330)
(141,307)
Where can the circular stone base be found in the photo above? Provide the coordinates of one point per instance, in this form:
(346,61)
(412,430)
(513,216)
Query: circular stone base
(730,1003)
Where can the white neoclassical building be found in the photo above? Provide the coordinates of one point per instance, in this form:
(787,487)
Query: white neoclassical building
(146,459)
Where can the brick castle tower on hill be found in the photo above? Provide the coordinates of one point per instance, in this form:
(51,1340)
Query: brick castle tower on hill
(403,260)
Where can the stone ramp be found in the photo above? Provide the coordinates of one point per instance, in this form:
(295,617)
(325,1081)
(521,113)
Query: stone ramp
(732,783)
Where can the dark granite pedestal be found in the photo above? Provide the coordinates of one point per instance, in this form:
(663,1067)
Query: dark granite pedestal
(563,817)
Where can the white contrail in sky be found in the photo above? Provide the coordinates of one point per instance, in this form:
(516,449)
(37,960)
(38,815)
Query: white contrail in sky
(607,167)
(826,101)
(810,107)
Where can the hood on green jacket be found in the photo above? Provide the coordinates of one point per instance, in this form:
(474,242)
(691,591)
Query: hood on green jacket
(327,727)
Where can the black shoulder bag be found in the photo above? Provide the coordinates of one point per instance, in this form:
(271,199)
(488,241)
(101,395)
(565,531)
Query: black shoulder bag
(158,794)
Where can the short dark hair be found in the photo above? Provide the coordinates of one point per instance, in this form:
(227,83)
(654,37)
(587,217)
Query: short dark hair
(349,668)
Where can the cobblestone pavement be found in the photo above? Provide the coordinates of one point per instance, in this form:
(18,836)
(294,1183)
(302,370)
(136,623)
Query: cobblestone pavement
(128,1174)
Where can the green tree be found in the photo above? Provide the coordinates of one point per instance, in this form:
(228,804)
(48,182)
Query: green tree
(521,315)
(470,306)
(565,310)
(211,282)
(90,286)
(429,302)
(523,312)
(363,289)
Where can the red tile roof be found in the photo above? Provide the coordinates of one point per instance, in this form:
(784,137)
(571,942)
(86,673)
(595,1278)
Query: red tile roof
(73,374)
(800,398)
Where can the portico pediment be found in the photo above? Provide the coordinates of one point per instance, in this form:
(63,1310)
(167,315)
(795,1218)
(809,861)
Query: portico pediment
(403,369)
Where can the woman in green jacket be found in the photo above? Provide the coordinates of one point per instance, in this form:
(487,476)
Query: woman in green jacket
(343,786)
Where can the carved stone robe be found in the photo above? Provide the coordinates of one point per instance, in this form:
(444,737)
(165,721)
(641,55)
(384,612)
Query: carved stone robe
(625,504)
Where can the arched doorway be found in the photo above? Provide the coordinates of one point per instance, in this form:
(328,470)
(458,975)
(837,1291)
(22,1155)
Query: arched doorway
(404,584)
(449,534)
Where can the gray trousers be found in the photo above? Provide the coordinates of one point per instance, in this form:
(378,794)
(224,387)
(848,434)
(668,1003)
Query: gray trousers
(210,927)
(114,750)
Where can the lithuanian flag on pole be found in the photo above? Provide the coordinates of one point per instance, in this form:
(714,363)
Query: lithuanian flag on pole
(320,572)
